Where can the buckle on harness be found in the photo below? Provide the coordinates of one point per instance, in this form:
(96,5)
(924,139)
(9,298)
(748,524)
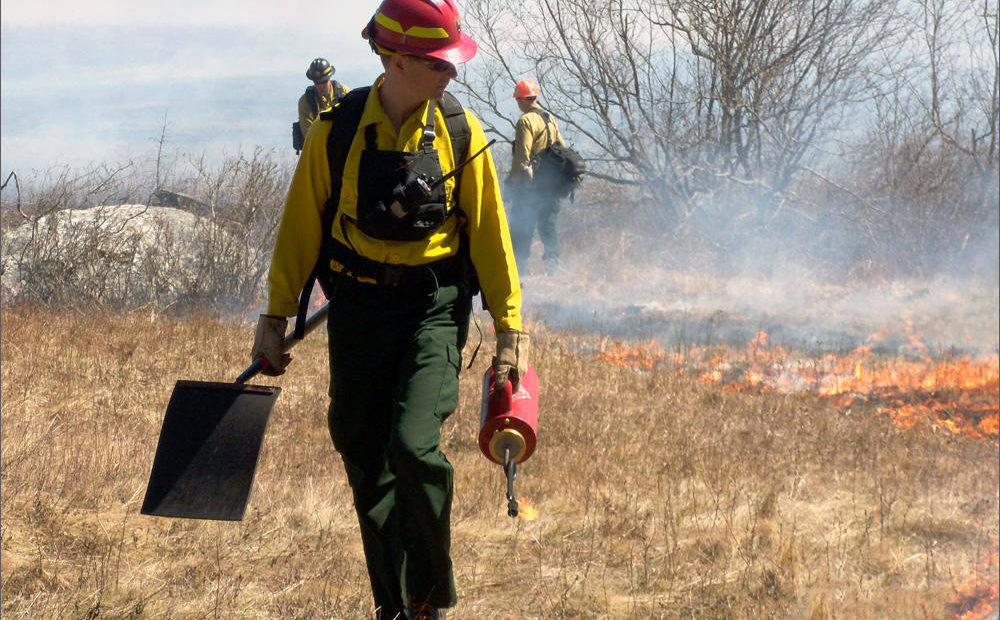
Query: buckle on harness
(390,275)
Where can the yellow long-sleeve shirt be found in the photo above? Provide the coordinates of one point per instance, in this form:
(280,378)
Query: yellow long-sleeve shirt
(312,97)
(299,236)
(530,139)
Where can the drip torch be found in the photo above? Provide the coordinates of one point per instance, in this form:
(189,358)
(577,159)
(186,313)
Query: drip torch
(509,426)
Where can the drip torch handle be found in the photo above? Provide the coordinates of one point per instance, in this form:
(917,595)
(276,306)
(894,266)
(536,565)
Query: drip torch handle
(510,468)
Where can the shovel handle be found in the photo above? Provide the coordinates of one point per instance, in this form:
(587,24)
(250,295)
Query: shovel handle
(290,341)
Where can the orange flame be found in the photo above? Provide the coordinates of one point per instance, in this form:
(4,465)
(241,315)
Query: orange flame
(526,510)
(978,596)
(639,356)
(959,395)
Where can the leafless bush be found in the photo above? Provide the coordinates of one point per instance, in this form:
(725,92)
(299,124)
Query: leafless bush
(82,240)
(243,197)
(62,188)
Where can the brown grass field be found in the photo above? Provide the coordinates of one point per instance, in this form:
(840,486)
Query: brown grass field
(658,495)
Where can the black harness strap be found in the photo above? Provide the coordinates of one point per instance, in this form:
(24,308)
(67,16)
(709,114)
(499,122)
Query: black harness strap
(313,99)
(458,128)
(445,270)
(345,116)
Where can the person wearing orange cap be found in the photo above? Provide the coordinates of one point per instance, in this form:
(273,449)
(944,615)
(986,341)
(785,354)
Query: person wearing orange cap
(401,247)
(535,203)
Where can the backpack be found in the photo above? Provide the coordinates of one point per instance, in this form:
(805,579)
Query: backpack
(346,117)
(559,166)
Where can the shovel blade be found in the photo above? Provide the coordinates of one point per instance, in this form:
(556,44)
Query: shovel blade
(207,452)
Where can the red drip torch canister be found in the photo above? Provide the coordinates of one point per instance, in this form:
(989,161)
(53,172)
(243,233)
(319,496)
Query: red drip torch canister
(509,419)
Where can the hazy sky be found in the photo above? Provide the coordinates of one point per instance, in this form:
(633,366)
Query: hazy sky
(247,13)
(89,81)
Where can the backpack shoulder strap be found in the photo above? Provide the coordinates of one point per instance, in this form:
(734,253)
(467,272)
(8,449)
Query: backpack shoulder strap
(458,131)
(461,136)
(345,116)
(546,118)
(458,126)
(311,98)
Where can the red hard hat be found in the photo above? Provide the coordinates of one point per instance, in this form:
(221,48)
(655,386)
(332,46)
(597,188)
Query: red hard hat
(526,88)
(424,27)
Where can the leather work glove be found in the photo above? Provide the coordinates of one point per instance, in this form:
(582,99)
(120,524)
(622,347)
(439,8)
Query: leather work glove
(269,343)
(511,359)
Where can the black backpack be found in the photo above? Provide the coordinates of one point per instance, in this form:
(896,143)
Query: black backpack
(559,167)
(346,117)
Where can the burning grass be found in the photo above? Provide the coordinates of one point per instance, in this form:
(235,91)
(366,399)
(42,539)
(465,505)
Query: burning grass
(957,393)
(669,492)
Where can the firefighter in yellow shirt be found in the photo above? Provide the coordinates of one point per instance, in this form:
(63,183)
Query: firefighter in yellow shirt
(402,255)
(535,203)
(317,98)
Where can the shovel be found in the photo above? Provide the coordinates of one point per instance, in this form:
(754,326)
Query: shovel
(209,444)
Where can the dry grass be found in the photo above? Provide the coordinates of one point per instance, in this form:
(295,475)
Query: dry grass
(659,497)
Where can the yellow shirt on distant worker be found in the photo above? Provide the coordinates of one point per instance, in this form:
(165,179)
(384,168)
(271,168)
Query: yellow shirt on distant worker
(530,139)
(299,237)
(306,115)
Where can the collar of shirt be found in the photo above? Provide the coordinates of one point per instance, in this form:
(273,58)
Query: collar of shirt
(410,134)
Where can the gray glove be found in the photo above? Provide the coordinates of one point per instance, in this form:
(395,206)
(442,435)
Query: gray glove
(269,343)
(511,359)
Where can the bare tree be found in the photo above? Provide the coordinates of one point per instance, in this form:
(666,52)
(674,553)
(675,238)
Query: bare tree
(704,103)
(928,167)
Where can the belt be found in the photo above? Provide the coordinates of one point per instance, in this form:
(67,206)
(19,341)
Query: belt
(445,271)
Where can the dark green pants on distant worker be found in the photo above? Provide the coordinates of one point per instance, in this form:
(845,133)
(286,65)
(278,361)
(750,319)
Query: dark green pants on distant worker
(395,355)
(534,206)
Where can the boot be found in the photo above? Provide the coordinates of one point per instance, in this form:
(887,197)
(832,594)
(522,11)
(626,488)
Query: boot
(420,610)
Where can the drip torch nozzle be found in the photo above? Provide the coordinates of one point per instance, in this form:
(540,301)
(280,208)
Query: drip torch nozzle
(510,468)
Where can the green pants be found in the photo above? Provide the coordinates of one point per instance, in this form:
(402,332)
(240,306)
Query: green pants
(395,355)
(534,206)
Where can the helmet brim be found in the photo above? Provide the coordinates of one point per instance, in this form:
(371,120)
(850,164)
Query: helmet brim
(459,52)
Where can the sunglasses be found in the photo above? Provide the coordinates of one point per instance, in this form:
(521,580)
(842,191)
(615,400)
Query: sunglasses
(438,66)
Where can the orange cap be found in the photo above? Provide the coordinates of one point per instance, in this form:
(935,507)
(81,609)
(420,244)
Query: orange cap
(526,88)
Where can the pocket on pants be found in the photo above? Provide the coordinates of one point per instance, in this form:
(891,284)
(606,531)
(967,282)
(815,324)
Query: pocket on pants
(447,401)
